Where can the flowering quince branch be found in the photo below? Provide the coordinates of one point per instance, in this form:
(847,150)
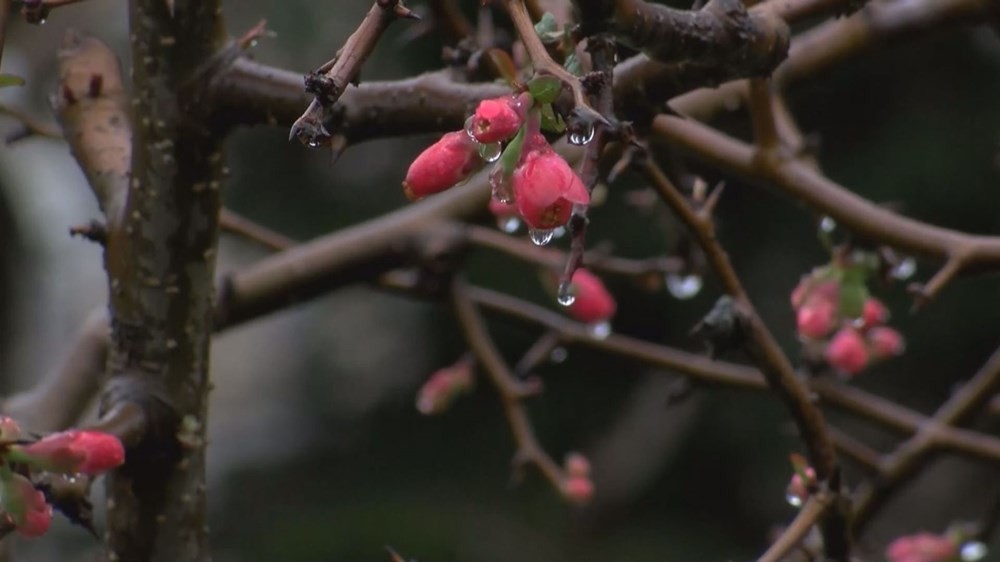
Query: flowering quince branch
(777,369)
(573,481)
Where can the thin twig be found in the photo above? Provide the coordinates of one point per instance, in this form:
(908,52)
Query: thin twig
(812,511)
(231,221)
(333,78)
(511,390)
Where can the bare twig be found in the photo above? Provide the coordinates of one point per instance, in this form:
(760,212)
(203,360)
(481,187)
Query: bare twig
(511,390)
(812,511)
(233,222)
(330,81)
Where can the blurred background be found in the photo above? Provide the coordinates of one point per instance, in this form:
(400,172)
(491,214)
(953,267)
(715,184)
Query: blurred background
(317,452)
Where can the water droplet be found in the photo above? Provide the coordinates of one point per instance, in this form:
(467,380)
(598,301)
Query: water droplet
(539,236)
(468,126)
(253,43)
(904,269)
(973,551)
(313,143)
(559,232)
(599,330)
(827,225)
(683,286)
(581,138)
(558,354)
(793,499)
(490,152)
(503,188)
(566,294)
(509,224)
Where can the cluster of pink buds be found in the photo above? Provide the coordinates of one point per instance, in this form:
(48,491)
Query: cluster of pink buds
(577,488)
(923,547)
(852,341)
(67,452)
(531,182)
(446,384)
(803,480)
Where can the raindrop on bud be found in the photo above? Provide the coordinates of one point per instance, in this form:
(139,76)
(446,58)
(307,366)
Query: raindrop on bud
(600,330)
(503,188)
(490,152)
(559,232)
(581,138)
(558,354)
(469,127)
(793,499)
(566,294)
(313,143)
(827,225)
(904,269)
(973,551)
(540,237)
(683,286)
(509,224)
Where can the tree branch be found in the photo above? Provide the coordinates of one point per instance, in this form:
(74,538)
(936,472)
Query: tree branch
(330,81)
(852,211)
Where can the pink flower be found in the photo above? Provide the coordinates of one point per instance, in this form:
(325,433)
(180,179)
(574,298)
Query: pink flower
(874,313)
(89,452)
(922,547)
(885,342)
(798,487)
(546,188)
(441,165)
(593,302)
(26,506)
(497,119)
(578,490)
(441,389)
(847,351)
(816,318)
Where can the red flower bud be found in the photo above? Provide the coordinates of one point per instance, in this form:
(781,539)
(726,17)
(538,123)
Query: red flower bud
(922,547)
(26,506)
(885,342)
(847,351)
(874,313)
(816,318)
(578,489)
(577,465)
(441,165)
(497,119)
(10,430)
(89,452)
(546,189)
(443,387)
(592,303)
(798,487)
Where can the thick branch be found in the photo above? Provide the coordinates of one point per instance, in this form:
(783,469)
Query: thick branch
(852,211)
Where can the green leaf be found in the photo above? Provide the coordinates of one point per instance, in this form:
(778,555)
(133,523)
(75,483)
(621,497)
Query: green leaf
(547,29)
(505,65)
(10,80)
(545,89)
(512,153)
(852,299)
(572,64)
(552,121)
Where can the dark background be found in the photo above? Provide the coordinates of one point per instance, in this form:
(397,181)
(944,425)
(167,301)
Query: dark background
(350,466)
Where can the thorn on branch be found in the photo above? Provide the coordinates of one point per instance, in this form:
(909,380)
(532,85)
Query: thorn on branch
(724,328)
(95,231)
